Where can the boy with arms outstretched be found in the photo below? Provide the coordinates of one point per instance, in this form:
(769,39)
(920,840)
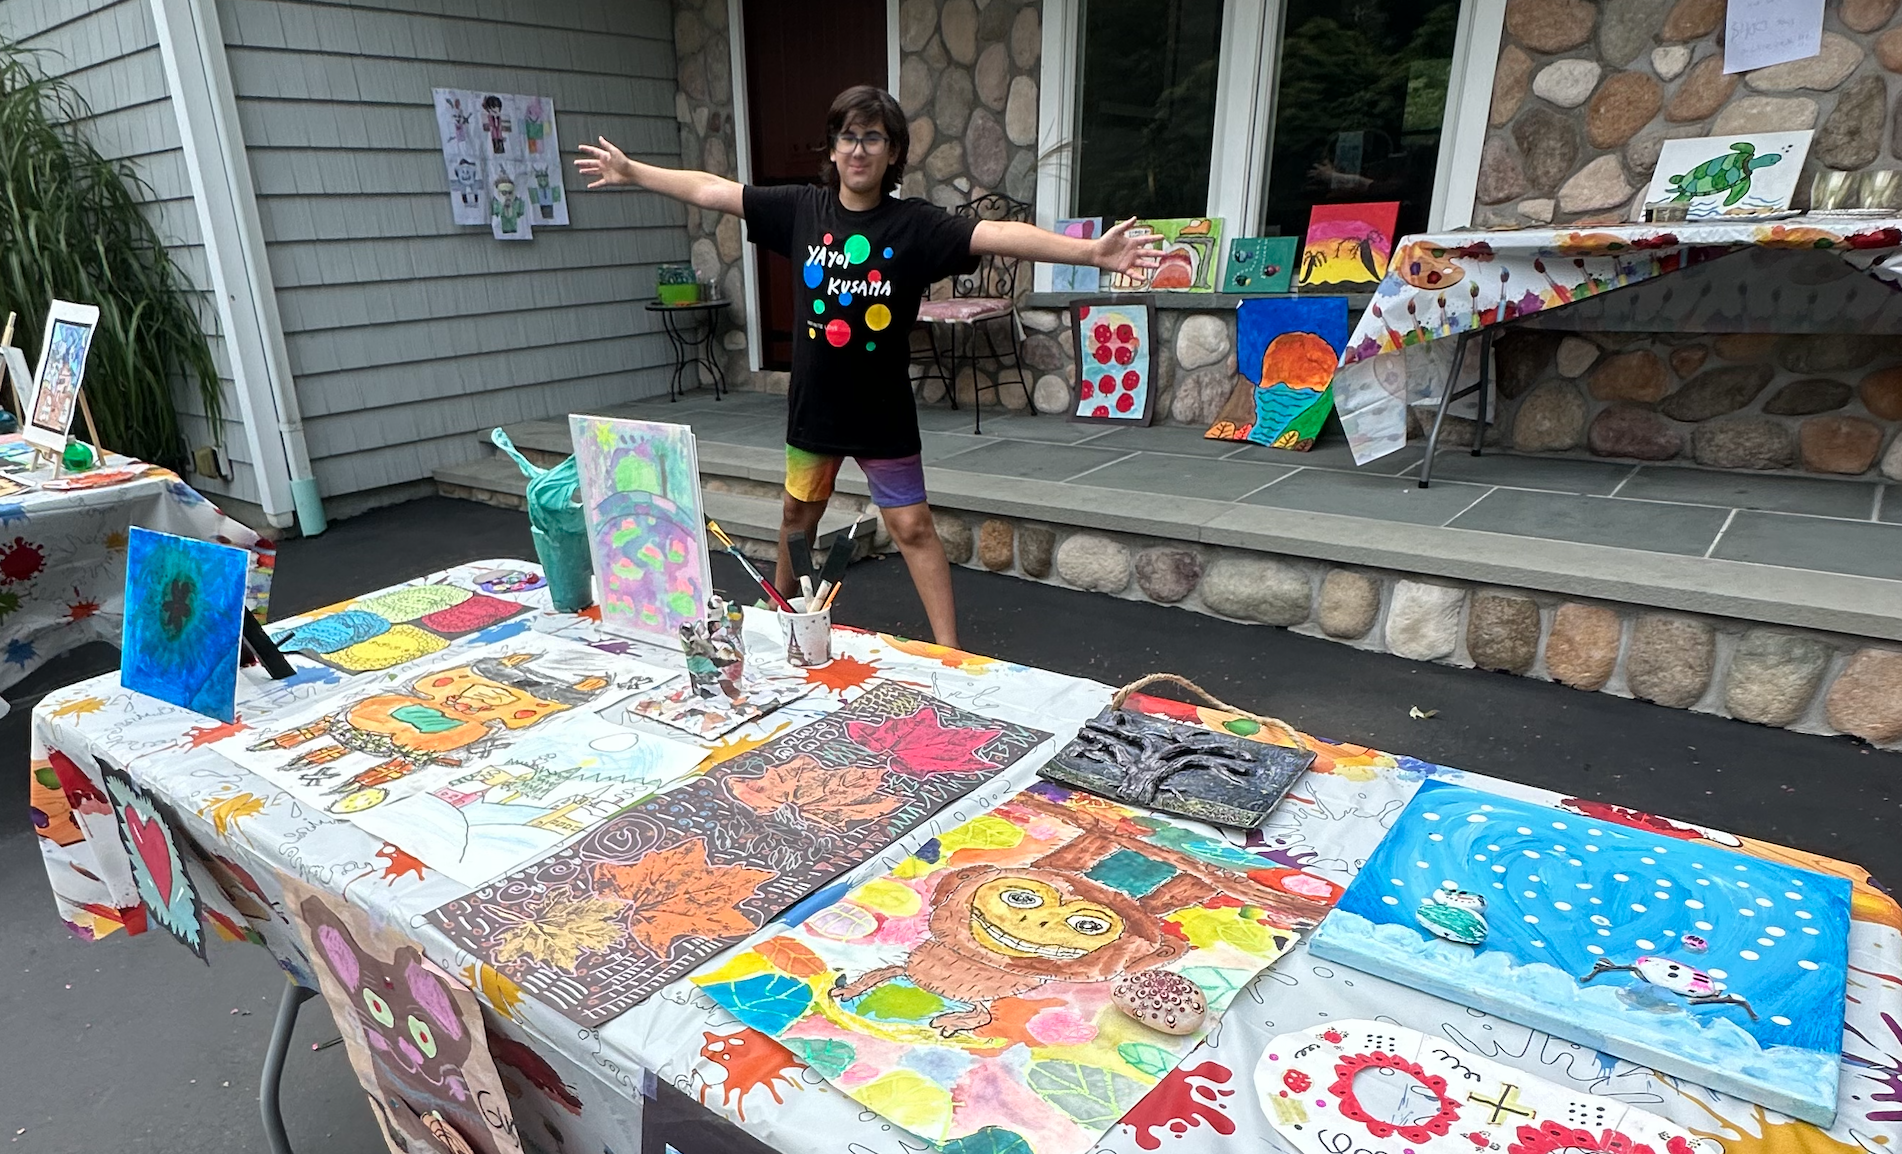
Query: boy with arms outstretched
(865,260)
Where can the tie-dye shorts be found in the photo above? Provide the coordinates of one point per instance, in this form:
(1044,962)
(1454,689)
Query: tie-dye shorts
(895,481)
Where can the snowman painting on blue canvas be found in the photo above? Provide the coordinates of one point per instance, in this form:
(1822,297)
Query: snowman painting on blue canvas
(1721,968)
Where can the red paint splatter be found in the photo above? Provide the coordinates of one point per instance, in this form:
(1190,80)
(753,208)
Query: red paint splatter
(1297,1081)
(21,560)
(1478,1139)
(400,863)
(1177,1105)
(1333,1036)
(206,734)
(81,608)
(751,1060)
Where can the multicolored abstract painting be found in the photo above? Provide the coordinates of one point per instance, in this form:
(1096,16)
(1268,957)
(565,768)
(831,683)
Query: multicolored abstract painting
(993,991)
(640,492)
(598,926)
(388,629)
(1721,968)
(184,616)
(414,1034)
(1115,356)
(1348,245)
(1285,353)
(1260,264)
(161,869)
(1191,256)
(1078,278)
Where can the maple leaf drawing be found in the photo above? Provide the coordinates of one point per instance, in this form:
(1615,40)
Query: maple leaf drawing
(673,894)
(560,931)
(919,746)
(224,810)
(804,792)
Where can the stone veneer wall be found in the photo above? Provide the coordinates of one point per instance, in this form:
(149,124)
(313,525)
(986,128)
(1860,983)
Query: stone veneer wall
(1585,93)
(968,77)
(1791,678)
(1823,404)
(1195,362)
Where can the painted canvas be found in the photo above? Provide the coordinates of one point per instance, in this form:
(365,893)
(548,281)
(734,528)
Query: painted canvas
(170,888)
(1743,175)
(640,487)
(1027,977)
(1375,1086)
(60,374)
(419,732)
(1078,278)
(595,928)
(1191,256)
(1285,353)
(1348,245)
(1723,969)
(1116,360)
(184,617)
(401,625)
(1260,264)
(414,1034)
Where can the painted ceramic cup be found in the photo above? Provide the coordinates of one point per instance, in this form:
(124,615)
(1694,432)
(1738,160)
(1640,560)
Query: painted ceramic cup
(808,636)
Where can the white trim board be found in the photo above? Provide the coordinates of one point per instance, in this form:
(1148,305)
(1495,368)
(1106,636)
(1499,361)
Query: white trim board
(1469,98)
(743,170)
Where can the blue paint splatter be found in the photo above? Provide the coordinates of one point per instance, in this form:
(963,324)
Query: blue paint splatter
(20,652)
(502,632)
(12,512)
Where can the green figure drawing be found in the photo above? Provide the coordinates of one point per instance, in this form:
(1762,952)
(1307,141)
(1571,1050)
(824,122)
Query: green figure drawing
(505,206)
(1730,171)
(545,194)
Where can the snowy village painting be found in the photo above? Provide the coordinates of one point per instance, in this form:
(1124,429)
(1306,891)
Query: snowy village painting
(1721,968)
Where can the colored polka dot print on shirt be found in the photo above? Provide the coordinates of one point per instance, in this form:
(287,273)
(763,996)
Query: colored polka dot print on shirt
(838,332)
(877,317)
(814,274)
(845,298)
(857,248)
(818,306)
(888,252)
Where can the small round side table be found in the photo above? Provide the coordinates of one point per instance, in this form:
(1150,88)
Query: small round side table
(690,330)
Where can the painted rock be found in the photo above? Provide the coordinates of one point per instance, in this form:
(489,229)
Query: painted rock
(1454,914)
(1162,1001)
(1695,944)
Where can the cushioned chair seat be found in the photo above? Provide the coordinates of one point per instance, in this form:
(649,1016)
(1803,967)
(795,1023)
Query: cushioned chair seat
(963,310)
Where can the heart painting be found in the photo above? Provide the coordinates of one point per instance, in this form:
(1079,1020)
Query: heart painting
(158,865)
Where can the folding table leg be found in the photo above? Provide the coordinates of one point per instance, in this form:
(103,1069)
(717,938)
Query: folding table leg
(280,1047)
(1446,402)
(1485,379)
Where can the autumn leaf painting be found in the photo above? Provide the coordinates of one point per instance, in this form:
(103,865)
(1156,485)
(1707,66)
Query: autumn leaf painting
(673,893)
(560,931)
(920,746)
(804,792)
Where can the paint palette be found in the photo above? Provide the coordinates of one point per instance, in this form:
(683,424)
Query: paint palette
(1718,967)
(1381,1088)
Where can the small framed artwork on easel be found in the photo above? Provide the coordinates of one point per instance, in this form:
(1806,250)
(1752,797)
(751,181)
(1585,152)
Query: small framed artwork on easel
(61,372)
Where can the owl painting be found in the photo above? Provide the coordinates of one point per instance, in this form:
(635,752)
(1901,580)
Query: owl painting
(415,1035)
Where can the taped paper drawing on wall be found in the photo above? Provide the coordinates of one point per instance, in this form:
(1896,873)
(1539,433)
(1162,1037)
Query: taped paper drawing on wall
(508,208)
(640,490)
(388,629)
(1078,278)
(488,137)
(1260,264)
(1348,245)
(1285,353)
(456,112)
(60,375)
(1115,358)
(595,928)
(414,1034)
(1719,968)
(1191,256)
(1717,176)
(1026,977)
(1373,1085)
(184,607)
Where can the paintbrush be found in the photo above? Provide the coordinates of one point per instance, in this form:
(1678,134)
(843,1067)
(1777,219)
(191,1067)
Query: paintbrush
(720,535)
(838,559)
(799,552)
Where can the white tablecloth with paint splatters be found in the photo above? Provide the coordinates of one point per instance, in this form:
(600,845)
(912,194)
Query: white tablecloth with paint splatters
(62,554)
(1328,826)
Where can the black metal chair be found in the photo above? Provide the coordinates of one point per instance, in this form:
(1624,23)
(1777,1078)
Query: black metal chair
(978,303)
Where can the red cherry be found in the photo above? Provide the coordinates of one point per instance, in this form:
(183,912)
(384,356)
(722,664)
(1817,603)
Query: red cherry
(1125,402)
(1100,411)
(1086,389)
(1103,354)
(1106,386)
(1101,333)
(1131,379)
(1125,355)
(1125,332)
(1082,312)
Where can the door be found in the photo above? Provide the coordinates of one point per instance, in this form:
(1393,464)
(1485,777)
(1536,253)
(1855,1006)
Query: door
(799,55)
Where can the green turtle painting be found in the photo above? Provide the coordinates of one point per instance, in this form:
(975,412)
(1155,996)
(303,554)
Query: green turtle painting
(1454,914)
(1730,171)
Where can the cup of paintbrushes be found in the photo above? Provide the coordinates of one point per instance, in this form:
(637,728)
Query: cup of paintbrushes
(808,633)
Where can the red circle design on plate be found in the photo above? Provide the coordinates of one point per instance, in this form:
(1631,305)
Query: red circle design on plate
(1101,333)
(1125,402)
(1125,355)
(874,276)
(1103,354)
(1085,388)
(1125,333)
(838,332)
(1131,379)
(1100,411)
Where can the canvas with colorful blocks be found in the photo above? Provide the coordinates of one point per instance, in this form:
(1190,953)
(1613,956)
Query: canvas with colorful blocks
(1285,353)
(640,491)
(1025,978)
(1189,253)
(1720,968)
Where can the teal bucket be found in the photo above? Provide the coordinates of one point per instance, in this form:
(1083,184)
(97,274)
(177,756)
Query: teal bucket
(564,558)
(561,539)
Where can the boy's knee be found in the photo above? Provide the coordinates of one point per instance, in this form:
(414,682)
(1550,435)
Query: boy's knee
(912,530)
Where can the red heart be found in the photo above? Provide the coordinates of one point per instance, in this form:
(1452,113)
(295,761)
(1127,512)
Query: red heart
(154,851)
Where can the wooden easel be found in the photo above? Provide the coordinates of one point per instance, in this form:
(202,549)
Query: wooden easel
(19,405)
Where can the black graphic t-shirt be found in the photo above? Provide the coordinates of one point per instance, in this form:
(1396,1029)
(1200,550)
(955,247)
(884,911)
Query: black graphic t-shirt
(857,280)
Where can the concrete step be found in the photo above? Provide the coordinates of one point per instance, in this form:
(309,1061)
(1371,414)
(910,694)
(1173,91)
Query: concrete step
(492,480)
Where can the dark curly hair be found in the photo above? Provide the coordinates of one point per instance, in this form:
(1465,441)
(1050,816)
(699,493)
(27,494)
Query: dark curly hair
(864,104)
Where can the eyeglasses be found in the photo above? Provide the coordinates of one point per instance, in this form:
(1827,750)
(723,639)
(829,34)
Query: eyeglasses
(873,142)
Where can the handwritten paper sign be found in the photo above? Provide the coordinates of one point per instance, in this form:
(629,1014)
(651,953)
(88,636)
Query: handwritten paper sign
(1759,33)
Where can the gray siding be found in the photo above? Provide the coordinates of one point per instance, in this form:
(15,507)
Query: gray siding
(407,333)
(109,53)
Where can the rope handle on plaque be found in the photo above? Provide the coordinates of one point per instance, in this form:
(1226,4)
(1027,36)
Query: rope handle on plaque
(1274,724)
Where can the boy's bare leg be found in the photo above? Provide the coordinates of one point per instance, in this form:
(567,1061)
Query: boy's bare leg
(795,516)
(917,538)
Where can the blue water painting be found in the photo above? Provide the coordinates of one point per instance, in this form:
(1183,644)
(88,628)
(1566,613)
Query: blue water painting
(1721,968)
(184,615)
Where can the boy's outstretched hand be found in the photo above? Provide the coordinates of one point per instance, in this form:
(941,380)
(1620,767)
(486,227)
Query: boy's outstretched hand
(607,164)
(1116,249)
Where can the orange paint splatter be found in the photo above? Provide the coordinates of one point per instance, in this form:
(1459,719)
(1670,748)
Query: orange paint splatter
(592,613)
(944,655)
(206,734)
(400,863)
(1785,1137)
(80,609)
(733,747)
(751,1060)
(843,673)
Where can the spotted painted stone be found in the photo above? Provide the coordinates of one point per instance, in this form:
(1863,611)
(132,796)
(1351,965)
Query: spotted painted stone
(1163,1001)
